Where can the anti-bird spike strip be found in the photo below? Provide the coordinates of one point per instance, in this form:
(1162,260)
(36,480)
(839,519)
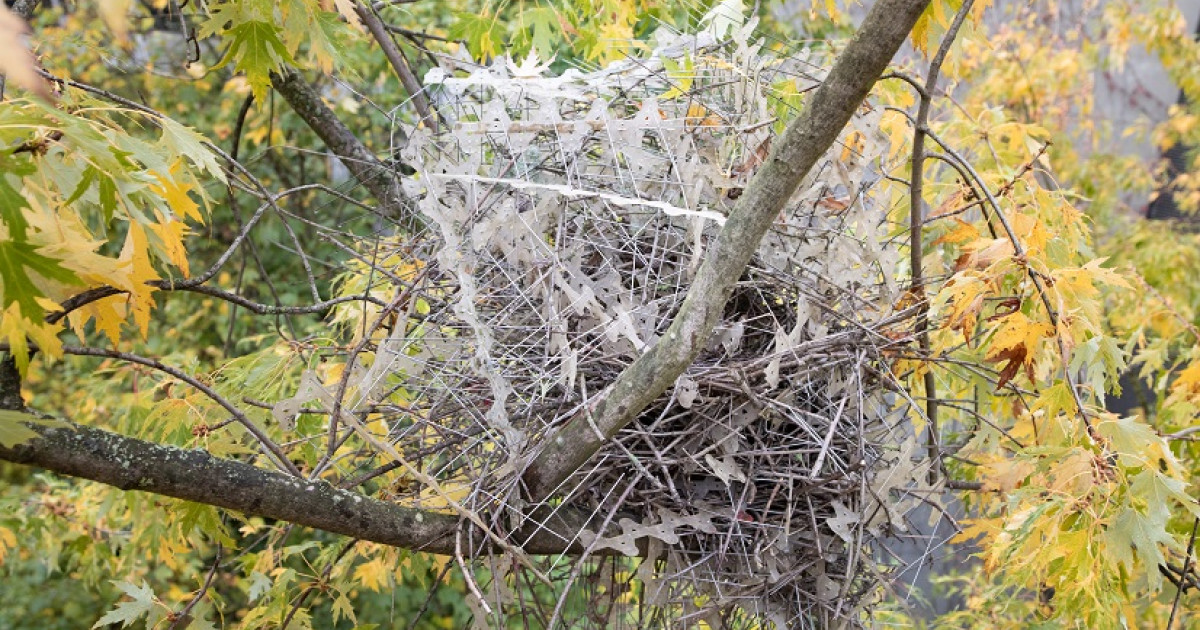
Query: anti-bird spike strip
(564,220)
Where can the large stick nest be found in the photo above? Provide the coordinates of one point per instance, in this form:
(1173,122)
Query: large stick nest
(561,222)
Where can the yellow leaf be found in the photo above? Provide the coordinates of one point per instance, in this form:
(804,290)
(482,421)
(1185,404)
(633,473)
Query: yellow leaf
(135,257)
(347,9)
(17,330)
(1189,380)
(1019,330)
(170,234)
(453,490)
(701,116)
(963,233)
(175,192)
(1073,473)
(7,541)
(375,574)
(895,126)
(853,147)
(964,296)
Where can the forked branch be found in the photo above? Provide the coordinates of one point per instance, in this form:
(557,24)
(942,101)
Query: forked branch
(802,145)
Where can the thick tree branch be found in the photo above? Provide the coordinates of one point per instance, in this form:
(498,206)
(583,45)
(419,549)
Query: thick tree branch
(366,168)
(802,145)
(195,475)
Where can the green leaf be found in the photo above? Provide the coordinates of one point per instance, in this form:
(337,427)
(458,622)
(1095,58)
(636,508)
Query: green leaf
(17,260)
(128,612)
(1133,531)
(13,431)
(482,33)
(1159,491)
(259,585)
(257,51)
(207,519)
(343,609)
(542,28)
(1127,434)
(12,202)
(182,140)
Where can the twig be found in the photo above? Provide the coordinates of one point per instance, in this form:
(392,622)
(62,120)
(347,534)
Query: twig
(182,617)
(281,459)
(1187,566)
(1034,276)
(916,222)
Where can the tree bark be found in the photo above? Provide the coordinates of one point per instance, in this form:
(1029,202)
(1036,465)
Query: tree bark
(803,143)
(372,173)
(195,475)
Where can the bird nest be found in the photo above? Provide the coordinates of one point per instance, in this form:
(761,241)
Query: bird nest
(561,222)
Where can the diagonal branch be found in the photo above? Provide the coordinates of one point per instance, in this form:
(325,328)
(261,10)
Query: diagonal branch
(803,143)
(366,168)
(400,64)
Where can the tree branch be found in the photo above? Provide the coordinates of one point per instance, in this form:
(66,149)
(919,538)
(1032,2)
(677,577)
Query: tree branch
(195,475)
(802,145)
(366,168)
(396,58)
(916,230)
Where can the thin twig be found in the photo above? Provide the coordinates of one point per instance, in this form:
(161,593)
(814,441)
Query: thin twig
(281,459)
(1187,566)
(916,222)
(182,617)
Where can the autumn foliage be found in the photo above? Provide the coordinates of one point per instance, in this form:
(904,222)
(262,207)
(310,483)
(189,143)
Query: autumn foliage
(184,260)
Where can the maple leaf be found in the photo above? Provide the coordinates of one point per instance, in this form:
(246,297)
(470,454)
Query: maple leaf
(920,32)
(481,32)
(1005,474)
(20,264)
(531,68)
(12,203)
(1016,357)
(983,253)
(342,608)
(135,257)
(175,193)
(184,141)
(1130,532)
(1019,330)
(964,295)
(257,51)
(374,574)
(13,432)
(963,232)
(169,236)
(349,10)
(542,24)
(126,613)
